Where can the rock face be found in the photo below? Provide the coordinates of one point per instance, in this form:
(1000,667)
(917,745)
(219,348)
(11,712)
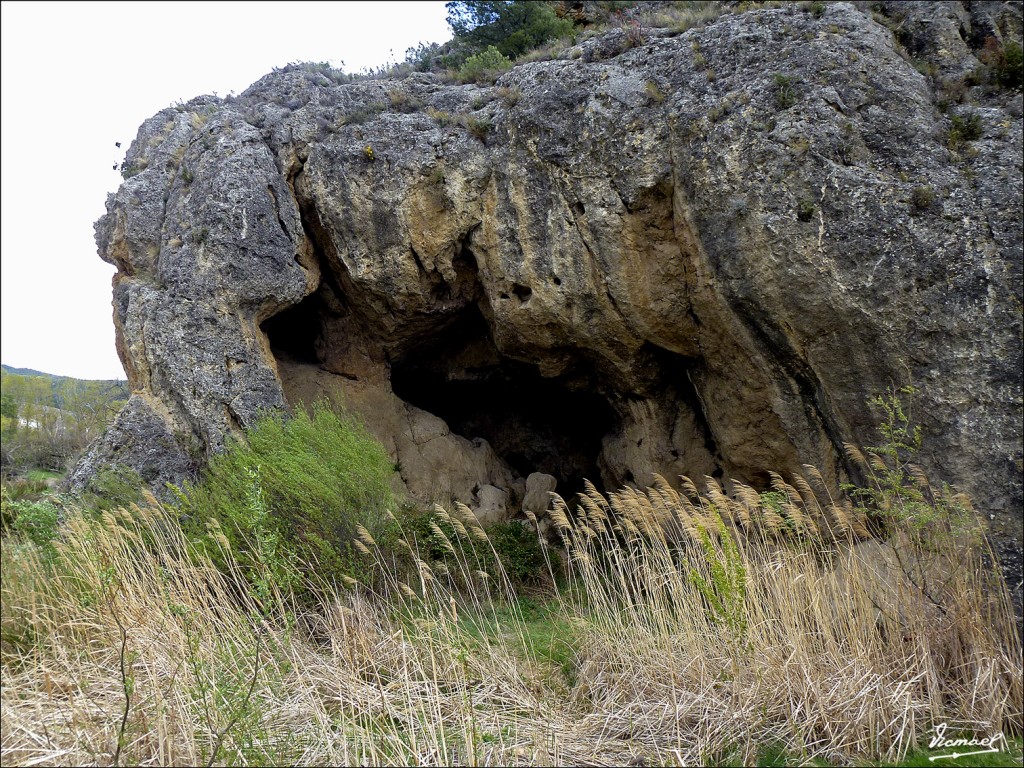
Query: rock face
(700,255)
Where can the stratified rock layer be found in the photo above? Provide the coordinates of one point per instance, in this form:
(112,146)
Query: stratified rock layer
(701,255)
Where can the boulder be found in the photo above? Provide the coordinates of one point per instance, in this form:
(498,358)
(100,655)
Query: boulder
(539,488)
(491,505)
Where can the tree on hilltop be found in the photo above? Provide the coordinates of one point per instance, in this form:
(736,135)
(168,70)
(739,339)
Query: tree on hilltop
(512,26)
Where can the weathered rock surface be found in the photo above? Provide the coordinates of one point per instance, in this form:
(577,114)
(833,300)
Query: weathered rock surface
(700,255)
(539,487)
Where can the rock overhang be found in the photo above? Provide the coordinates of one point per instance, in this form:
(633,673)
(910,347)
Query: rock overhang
(699,277)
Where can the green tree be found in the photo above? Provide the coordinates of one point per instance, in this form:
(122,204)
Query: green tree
(48,420)
(512,26)
(8,405)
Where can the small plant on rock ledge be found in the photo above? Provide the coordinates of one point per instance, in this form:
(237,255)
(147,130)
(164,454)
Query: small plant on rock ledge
(654,92)
(1003,64)
(963,129)
(443,118)
(402,101)
(478,126)
(132,169)
(632,29)
(510,95)
(923,197)
(785,93)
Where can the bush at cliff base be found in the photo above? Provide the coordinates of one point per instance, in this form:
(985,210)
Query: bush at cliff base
(286,505)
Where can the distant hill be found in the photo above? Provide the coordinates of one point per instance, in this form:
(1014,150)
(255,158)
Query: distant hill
(51,390)
(23,371)
(31,372)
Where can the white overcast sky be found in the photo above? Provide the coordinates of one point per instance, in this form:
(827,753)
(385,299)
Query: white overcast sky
(76,77)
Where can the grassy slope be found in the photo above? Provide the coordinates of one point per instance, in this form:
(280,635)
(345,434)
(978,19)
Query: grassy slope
(121,641)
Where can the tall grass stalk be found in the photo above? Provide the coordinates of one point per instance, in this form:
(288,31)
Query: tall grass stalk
(702,626)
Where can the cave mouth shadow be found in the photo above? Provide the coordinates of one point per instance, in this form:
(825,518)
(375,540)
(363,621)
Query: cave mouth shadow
(554,425)
(294,333)
(535,424)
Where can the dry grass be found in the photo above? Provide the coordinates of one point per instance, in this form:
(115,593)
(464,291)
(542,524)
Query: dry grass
(787,634)
(706,627)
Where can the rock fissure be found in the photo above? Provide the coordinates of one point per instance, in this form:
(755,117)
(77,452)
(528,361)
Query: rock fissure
(692,397)
(277,212)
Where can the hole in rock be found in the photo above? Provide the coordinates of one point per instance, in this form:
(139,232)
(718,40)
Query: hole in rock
(536,424)
(294,332)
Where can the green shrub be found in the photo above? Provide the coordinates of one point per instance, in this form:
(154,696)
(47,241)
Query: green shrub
(484,67)
(963,129)
(463,553)
(785,93)
(898,495)
(36,520)
(519,549)
(292,498)
(817,9)
(723,582)
(1009,71)
(1003,63)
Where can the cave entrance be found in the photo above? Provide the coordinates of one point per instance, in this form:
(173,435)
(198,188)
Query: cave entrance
(295,332)
(535,424)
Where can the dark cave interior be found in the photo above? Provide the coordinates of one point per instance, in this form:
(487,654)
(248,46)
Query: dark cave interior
(536,424)
(296,331)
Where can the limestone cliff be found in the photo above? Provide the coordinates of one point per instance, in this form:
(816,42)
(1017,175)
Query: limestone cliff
(699,255)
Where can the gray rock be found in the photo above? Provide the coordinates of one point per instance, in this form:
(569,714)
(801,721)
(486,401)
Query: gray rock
(539,487)
(142,439)
(491,505)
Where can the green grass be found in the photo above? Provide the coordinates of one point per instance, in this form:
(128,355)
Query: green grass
(1011,755)
(538,630)
(42,475)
